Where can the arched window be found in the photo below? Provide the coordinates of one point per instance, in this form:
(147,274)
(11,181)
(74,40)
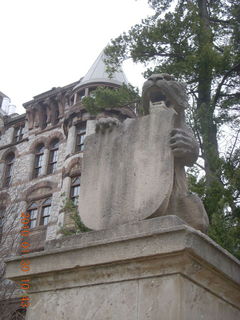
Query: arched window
(38,163)
(75,189)
(39,212)
(18,133)
(53,156)
(9,161)
(80,136)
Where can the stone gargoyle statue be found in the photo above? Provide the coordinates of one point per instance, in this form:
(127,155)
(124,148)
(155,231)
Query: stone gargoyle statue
(135,170)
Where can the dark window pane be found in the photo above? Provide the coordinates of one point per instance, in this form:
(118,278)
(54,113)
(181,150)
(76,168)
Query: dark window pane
(80,136)
(18,133)
(46,210)
(45,220)
(53,156)
(33,217)
(38,160)
(75,189)
(33,224)
(39,212)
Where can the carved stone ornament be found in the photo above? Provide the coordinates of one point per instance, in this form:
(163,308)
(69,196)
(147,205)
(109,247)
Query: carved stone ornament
(135,170)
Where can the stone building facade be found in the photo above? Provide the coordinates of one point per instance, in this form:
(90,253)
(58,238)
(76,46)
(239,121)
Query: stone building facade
(41,155)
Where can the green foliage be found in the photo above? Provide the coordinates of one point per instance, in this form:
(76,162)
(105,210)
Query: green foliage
(225,230)
(199,42)
(105,97)
(69,208)
(221,201)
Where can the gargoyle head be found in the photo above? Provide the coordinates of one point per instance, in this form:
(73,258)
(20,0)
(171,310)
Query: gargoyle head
(162,88)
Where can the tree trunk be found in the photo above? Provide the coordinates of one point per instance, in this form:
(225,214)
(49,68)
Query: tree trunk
(204,109)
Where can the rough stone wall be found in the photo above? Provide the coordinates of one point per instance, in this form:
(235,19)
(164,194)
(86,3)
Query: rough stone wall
(24,188)
(22,177)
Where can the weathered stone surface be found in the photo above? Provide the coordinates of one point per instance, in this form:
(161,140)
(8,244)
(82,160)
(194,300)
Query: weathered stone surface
(127,171)
(135,170)
(143,273)
(106,302)
(162,89)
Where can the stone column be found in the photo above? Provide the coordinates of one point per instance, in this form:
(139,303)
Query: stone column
(66,187)
(90,128)
(71,140)
(75,98)
(45,161)
(31,160)
(64,219)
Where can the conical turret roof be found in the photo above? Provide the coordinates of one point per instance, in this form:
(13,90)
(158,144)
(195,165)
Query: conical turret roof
(97,73)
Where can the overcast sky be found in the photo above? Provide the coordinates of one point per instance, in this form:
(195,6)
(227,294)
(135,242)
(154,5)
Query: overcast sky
(51,43)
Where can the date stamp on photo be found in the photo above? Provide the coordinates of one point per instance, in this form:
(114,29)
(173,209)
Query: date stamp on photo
(25,263)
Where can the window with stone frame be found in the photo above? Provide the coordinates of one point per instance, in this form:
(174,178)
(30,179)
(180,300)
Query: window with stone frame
(45,212)
(53,156)
(18,133)
(75,189)
(80,136)
(8,174)
(38,161)
(40,212)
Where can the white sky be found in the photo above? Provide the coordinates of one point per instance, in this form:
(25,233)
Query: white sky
(51,43)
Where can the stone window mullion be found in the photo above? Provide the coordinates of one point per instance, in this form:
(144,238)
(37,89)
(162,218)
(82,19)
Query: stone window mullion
(39,212)
(45,161)
(71,140)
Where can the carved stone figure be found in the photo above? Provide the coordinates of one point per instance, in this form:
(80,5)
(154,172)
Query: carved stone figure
(135,170)
(161,88)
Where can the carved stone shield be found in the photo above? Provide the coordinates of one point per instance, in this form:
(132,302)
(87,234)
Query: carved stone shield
(127,172)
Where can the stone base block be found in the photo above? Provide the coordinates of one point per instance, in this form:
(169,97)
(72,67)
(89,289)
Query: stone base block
(153,269)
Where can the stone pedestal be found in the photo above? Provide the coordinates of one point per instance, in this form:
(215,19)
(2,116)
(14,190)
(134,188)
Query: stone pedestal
(153,269)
